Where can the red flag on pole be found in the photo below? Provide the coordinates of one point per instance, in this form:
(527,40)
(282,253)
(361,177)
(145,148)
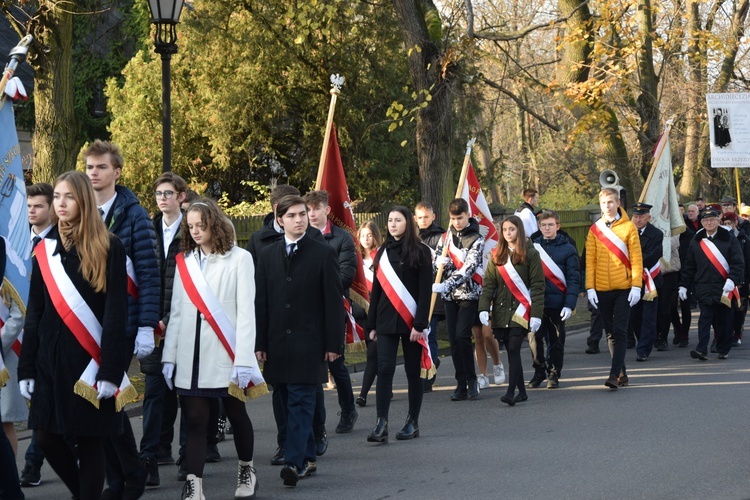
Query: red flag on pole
(480,210)
(333,180)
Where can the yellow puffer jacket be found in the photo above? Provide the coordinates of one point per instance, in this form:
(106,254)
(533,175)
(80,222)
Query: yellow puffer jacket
(604,271)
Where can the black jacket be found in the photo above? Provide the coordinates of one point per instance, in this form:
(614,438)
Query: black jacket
(431,235)
(53,357)
(152,363)
(652,249)
(698,270)
(382,316)
(298,309)
(343,243)
(566,257)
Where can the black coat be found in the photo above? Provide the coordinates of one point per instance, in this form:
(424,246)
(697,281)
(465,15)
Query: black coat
(152,363)
(299,311)
(430,236)
(52,356)
(652,249)
(698,270)
(343,244)
(383,317)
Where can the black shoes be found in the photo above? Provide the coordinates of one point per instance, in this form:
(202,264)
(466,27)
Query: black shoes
(380,433)
(641,357)
(321,441)
(164,456)
(135,485)
(361,402)
(410,430)
(290,475)
(428,383)
(31,475)
(473,392)
(278,457)
(151,469)
(612,382)
(520,398)
(684,343)
(553,382)
(346,422)
(662,346)
(537,379)
(309,469)
(698,355)
(460,394)
(593,349)
(508,400)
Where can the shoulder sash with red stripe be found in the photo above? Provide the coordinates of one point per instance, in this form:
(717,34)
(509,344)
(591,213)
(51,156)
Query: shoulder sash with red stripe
(648,280)
(80,320)
(204,299)
(614,244)
(721,265)
(520,291)
(458,256)
(552,271)
(405,306)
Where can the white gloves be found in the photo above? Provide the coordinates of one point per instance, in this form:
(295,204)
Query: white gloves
(682,293)
(144,342)
(534,324)
(593,298)
(634,296)
(106,389)
(27,387)
(728,285)
(243,374)
(566,313)
(438,288)
(484,318)
(441,260)
(167,369)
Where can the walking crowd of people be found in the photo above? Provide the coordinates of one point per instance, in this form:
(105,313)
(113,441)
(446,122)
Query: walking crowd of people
(214,325)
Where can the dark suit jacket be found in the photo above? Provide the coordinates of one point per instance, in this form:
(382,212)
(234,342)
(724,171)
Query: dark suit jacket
(299,311)
(652,248)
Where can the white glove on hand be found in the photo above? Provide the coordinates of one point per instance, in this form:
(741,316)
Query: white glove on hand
(106,389)
(534,324)
(728,285)
(566,313)
(593,298)
(144,342)
(484,318)
(167,369)
(27,387)
(634,296)
(243,374)
(682,293)
(441,260)
(438,288)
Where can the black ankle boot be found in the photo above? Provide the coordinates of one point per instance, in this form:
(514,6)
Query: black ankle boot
(410,430)
(380,433)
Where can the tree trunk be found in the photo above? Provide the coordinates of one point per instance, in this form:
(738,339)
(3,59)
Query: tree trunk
(434,130)
(690,183)
(54,137)
(648,102)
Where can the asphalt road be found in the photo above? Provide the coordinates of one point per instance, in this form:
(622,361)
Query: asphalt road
(680,430)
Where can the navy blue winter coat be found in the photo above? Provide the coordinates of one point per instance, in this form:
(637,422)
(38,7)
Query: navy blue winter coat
(566,257)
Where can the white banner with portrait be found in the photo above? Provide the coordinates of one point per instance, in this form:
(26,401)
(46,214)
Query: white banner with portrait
(729,128)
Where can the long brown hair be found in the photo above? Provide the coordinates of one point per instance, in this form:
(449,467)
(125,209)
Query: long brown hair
(88,233)
(377,239)
(518,255)
(222,231)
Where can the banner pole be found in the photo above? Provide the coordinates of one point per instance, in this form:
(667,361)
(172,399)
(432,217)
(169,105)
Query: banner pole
(337,82)
(737,185)
(17,55)
(459,190)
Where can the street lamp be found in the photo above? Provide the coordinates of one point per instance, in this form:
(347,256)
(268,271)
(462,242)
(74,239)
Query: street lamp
(165,14)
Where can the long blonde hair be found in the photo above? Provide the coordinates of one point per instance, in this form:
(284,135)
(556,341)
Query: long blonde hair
(88,233)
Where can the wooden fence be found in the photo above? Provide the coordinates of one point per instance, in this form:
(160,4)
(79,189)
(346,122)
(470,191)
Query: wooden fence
(575,222)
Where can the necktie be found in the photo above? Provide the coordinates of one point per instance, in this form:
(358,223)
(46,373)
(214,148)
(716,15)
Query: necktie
(290,249)
(35,241)
(101,213)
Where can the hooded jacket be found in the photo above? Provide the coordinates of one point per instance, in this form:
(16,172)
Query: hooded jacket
(604,271)
(566,257)
(459,283)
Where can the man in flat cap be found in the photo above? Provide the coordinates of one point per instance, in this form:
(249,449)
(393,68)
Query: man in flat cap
(643,314)
(716,266)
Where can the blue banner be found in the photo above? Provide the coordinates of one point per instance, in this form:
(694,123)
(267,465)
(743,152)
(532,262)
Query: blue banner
(14,219)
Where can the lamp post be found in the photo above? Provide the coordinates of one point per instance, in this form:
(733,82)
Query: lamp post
(165,14)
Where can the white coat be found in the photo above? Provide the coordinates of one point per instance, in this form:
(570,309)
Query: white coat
(231,277)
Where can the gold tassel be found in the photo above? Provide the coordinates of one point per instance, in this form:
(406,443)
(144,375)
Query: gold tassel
(726,301)
(124,397)
(4,376)
(650,296)
(521,321)
(428,374)
(257,391)
(236,392)
(356,347)
(157,340)
(86,392)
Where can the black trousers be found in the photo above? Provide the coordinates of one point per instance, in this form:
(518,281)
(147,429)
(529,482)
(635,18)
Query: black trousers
(615,312)
(553,329)
(595,333)
(720,316)
(387,352)
(460,317)
(667,312)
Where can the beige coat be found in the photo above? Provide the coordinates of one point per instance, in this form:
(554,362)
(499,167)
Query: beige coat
(232,279)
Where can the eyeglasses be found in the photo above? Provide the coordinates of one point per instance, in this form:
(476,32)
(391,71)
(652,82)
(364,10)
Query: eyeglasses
(166,194)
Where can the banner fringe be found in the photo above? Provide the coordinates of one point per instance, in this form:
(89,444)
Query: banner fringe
(4,377)
(86,392)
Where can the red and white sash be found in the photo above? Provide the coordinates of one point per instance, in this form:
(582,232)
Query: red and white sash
(81,321)
(648,280)
(355,334)
(722,267)
(406,307)
(368,270)
(458,256)
(520,291)
(552,271)
(613,242)
(204,299)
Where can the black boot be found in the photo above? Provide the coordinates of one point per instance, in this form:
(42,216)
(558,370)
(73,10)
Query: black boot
(410,430)
(380,433)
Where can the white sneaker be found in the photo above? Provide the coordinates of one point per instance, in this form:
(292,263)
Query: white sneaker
(247,483)
(482,381)
(499,374)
